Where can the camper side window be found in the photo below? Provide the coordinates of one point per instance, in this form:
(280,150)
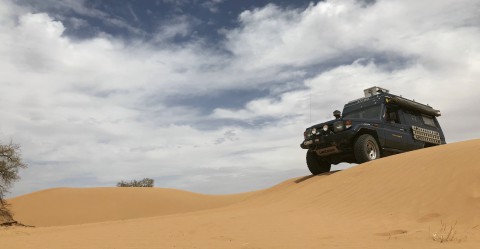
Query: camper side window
(428,120)
(413,118)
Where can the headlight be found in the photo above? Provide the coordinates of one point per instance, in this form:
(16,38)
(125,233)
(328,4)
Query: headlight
(338,126)
(314,131)
(348,124)
(325,128)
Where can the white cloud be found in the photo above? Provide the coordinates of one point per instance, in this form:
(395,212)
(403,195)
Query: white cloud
(95,111)
(177,27)
(66,10)
(212,5)
(272,36)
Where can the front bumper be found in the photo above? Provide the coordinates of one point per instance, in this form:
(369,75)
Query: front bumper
(331,143)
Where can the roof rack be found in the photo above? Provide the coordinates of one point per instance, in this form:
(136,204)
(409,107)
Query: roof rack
(369,92)
(410,104)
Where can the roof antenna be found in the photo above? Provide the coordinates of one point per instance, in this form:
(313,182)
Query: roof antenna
(310,103)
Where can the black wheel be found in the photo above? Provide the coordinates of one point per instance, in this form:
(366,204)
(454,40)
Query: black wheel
(366,149)
(316,164)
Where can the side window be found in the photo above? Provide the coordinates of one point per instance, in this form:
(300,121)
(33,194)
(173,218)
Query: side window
(391,115)
(413,118)
(428,120)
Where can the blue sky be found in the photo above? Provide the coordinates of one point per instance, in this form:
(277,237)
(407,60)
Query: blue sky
(214,96)
(144,19)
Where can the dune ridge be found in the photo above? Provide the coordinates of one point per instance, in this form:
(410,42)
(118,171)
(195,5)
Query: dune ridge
(442,180)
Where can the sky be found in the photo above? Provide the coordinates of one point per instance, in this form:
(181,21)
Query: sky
(213,96)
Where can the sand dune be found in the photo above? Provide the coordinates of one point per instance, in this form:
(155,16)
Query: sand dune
(69,206)
(396,202)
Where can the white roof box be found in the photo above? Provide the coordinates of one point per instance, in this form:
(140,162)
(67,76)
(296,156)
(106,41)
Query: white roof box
(369,92)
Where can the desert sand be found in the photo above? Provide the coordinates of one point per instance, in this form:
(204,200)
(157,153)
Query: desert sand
(411,200)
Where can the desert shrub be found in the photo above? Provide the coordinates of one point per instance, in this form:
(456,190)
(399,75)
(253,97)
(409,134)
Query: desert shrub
(10,162)
(145,182)
(446,233)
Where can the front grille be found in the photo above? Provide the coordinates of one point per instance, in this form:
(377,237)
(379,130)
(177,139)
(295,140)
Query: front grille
(319,131)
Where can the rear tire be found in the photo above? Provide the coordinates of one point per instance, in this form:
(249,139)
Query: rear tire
(316,164)
(366,149)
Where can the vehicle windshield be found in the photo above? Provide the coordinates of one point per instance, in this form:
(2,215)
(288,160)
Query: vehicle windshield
(371,112)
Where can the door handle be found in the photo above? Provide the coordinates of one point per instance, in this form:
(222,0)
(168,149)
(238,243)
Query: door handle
(402,129)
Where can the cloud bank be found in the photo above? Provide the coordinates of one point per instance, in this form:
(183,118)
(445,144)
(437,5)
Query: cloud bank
(224,117)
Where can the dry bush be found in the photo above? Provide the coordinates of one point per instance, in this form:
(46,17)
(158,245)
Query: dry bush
(145,182)
(10,162)
(446,233)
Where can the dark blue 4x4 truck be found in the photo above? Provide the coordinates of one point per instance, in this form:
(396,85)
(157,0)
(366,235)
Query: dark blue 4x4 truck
(378,125)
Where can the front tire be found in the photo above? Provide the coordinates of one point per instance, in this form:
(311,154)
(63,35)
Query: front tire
(316,164)
(366,149)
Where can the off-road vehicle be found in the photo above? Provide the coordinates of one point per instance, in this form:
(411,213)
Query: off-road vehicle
(377,125)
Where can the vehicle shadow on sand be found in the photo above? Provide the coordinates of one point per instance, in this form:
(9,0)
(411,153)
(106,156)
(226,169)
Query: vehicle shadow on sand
(299,180)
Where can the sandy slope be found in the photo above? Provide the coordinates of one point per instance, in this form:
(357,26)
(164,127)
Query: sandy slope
(396,202)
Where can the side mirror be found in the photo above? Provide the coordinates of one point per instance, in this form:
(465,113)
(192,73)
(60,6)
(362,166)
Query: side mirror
(337,114)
